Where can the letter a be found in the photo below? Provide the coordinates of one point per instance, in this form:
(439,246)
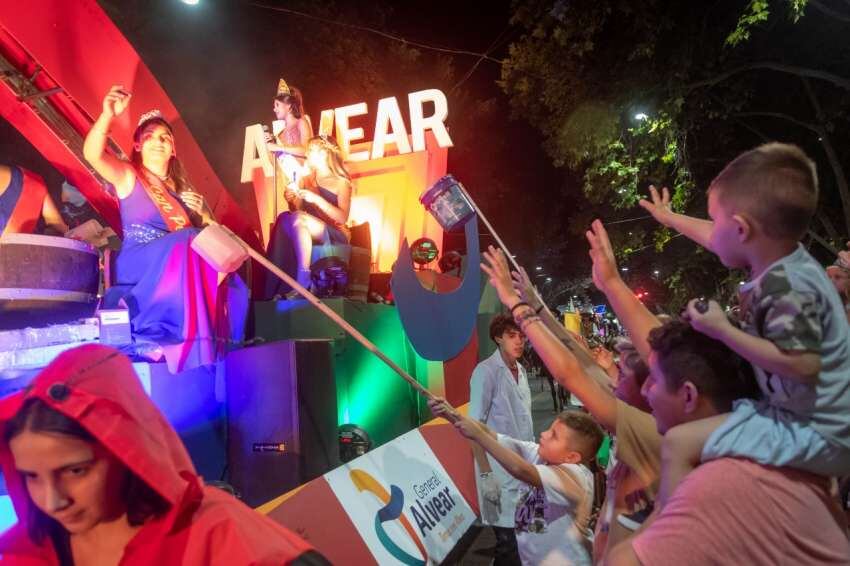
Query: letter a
(255,154)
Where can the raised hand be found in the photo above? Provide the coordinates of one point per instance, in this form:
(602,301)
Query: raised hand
(524,286)
(496,268)
(659,207)
(604,264)
(603,357)
(116,101)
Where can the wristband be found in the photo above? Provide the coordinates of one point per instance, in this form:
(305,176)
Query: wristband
(522,317)
(519,304)
(528,321)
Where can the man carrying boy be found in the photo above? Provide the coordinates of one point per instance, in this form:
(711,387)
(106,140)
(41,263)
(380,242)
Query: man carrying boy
(500,398)
(552,517)
(794,331)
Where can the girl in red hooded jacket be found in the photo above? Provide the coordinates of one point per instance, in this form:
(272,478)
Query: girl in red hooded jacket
(98,476)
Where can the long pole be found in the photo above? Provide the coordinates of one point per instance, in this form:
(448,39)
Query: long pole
(498,239)
(327,311)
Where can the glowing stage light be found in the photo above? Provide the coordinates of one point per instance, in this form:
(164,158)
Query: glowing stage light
(423,251)
(191,2)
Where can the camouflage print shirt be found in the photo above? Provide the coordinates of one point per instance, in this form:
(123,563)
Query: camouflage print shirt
(794,305)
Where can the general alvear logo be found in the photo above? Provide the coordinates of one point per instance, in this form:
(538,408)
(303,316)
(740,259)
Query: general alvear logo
(391,511)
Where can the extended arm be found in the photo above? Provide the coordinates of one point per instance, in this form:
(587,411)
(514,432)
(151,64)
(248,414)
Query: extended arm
(486,439)
(523,284)
(339,213)
(632,313)
(115,171)
(800,366)
(51,215)
(561,361)
(696,229)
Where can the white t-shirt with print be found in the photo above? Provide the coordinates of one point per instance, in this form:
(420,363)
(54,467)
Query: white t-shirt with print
(546,531)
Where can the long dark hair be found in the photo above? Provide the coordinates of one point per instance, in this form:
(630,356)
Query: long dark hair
(141,500)
(176,171)
(295,101)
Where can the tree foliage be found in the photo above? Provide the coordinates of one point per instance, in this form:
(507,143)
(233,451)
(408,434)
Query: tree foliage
(628,93)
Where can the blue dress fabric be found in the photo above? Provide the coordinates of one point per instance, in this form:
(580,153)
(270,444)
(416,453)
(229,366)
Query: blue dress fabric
(9,198)
(281,249)
(172,293)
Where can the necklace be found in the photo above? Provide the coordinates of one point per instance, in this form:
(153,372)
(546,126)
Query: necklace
(160,177)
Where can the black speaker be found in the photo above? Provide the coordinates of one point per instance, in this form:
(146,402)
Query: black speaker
(281,417)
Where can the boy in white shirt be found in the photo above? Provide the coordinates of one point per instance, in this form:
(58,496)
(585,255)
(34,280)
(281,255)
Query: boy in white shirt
(553,514)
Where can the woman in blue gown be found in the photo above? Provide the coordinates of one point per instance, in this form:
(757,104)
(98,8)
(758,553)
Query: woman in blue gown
(172,293)
(319,207)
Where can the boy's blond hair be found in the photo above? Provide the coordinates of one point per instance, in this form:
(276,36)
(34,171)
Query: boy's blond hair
(589,435)
(776,184)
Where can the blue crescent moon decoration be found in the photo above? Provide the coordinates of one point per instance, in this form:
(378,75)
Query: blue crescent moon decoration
(438,325)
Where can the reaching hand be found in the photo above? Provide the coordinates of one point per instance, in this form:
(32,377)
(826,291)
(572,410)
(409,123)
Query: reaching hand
(844,257)
(604,265)
(525,288)
(308,196)
(712,322)
(496,267)
(116,101)
(470,428)
(441,408)
(603,357)
(659,208)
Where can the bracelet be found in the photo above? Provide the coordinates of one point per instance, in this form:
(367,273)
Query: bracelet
(526,322)
(519,304)
(523,316)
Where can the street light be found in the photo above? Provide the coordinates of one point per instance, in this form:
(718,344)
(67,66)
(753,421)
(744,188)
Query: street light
(190,2)
(640,117)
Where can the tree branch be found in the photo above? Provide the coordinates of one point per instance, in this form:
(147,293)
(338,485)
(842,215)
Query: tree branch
(778,67)
(759,134)
(831,155)
(816,128)
(819,239)
(829,11)
(827,225)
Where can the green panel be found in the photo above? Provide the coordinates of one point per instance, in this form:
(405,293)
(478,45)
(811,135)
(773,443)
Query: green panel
(369,393)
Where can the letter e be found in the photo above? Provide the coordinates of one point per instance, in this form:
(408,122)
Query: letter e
(389,128)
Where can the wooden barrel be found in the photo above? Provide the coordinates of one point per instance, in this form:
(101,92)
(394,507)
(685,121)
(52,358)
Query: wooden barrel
(43,273)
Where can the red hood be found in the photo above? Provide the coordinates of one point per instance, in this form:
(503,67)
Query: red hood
(97,387)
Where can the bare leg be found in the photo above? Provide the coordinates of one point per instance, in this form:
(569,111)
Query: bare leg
(681,453)
(303,229)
